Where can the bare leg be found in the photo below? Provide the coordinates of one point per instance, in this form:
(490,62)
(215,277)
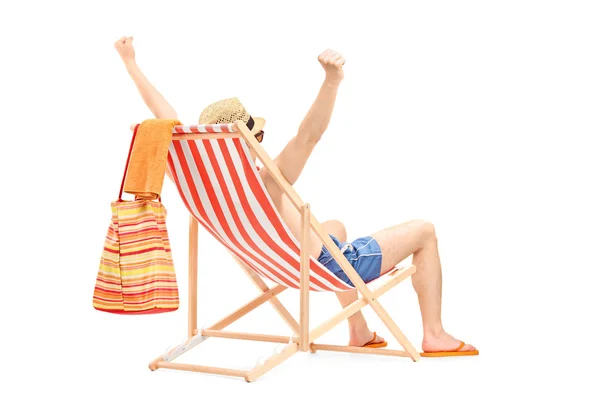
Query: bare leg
(358,329)
(418,238)
(357,325)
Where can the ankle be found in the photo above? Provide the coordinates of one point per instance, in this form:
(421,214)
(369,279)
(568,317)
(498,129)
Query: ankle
(433,332)
(357,328)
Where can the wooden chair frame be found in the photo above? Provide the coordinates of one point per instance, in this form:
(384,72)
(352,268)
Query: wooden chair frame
(304,339)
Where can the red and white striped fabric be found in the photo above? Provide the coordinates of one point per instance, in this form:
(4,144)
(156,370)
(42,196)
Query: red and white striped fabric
(213,128)
(219,184)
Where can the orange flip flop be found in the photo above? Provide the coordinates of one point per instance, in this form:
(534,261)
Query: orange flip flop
(374,345)
(451,353)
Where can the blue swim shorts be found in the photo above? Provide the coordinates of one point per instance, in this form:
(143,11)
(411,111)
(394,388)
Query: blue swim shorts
(364,254)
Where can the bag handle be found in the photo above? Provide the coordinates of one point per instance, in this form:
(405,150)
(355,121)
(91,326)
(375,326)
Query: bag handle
(127,164)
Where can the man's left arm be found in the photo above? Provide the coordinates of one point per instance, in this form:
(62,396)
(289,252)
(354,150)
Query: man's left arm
(155,101)
(293,157)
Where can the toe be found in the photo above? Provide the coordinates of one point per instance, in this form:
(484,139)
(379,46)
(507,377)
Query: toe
(468,347)
(376,339)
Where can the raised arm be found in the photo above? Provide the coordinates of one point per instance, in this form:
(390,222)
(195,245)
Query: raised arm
(293,157)
(152,97)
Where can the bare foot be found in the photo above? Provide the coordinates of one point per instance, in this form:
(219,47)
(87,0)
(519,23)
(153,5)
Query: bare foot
(443,342)
(363,336)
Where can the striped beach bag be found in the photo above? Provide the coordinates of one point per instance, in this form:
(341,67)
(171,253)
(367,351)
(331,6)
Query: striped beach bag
(136,274)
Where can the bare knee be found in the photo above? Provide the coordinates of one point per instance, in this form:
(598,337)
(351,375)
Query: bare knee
(335,228)
(427,230)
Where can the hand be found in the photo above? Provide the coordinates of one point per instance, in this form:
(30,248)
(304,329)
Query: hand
(124,47)
(332,62)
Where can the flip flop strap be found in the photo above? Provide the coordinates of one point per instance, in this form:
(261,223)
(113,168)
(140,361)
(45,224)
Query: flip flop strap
(462,344)
(372,340)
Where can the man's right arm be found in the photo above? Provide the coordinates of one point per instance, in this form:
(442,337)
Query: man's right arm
(293,157)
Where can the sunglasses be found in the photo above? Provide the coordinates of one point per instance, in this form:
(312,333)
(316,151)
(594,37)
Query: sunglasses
(259,136)
(250,125)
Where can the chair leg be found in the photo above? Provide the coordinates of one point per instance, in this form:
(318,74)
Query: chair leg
(304,278)
(193,279)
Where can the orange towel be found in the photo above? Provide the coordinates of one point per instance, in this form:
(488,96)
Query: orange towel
(148,162)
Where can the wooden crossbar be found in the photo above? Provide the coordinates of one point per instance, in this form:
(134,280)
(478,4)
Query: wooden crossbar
(204,136)
(360,350)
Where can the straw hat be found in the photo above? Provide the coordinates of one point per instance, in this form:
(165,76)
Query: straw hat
(226,112)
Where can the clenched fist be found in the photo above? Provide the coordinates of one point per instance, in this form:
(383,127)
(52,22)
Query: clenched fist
(332,62)
(124,47)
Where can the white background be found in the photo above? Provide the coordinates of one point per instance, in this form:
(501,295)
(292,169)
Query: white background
(479,116)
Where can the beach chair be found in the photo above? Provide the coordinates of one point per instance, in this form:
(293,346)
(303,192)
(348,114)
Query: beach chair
(220,185)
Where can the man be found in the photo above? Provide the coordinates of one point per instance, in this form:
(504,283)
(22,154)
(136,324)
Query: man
(371,256)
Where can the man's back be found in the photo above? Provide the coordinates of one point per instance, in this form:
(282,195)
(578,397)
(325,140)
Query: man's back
(288,212)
